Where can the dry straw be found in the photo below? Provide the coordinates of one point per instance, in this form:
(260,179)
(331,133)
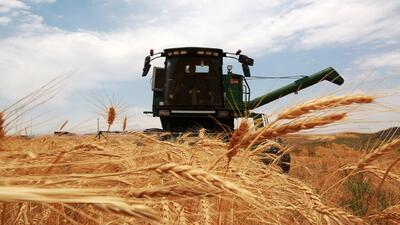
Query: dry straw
(324,103)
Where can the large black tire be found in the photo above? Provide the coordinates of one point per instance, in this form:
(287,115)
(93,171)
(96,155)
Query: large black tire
(269,154)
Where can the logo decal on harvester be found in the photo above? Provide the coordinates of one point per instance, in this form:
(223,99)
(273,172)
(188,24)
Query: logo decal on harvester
(235,81)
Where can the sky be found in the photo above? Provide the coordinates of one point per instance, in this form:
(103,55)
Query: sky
(101,45)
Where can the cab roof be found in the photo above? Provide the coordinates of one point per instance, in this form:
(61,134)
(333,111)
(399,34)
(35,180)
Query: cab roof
(194,51)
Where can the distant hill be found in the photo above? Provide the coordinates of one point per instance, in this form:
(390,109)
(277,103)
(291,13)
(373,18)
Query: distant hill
(357,141)
(390,133)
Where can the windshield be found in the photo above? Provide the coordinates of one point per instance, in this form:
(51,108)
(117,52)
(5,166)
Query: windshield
(194,81)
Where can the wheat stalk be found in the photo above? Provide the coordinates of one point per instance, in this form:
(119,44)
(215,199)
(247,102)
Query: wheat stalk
(324,103)
(111,114)
(181,220)
(63,125)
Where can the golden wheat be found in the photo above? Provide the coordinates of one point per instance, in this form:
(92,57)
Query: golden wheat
(137,179)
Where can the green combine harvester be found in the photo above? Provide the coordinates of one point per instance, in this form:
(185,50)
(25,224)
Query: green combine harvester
(191,91)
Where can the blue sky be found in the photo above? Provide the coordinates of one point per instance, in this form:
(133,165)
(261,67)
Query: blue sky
(102,43)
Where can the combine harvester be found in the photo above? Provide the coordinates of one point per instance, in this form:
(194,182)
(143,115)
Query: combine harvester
(191,92)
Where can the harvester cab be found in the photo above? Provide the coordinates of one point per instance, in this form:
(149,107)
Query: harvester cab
(191,91)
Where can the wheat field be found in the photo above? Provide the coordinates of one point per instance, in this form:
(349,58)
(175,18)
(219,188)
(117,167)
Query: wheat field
(134,178)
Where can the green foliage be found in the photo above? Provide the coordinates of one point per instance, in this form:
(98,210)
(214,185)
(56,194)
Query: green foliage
(360,193)
(385,199)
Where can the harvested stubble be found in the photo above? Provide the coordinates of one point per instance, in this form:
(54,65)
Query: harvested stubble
(173,179)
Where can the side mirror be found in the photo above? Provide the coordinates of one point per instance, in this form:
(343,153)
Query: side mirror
(146,66)
(246,70)
(246,60)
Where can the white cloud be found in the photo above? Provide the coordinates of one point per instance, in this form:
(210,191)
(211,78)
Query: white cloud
(42,1)
(4,20)
(379,66)
(27,62)
(137,120)
(8,5)
(386,59)
(257,26)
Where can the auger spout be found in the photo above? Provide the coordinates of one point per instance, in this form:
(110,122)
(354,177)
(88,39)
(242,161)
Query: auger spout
(328,74)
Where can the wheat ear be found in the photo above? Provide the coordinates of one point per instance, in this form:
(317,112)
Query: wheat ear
(111,114)
(236,138)
(330,212)
(124,123)
(276,130)
(324,103)
(166,218)
(205,212)
(199,175)
(163,191)
(367,160)
(2,130)
(83,196)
